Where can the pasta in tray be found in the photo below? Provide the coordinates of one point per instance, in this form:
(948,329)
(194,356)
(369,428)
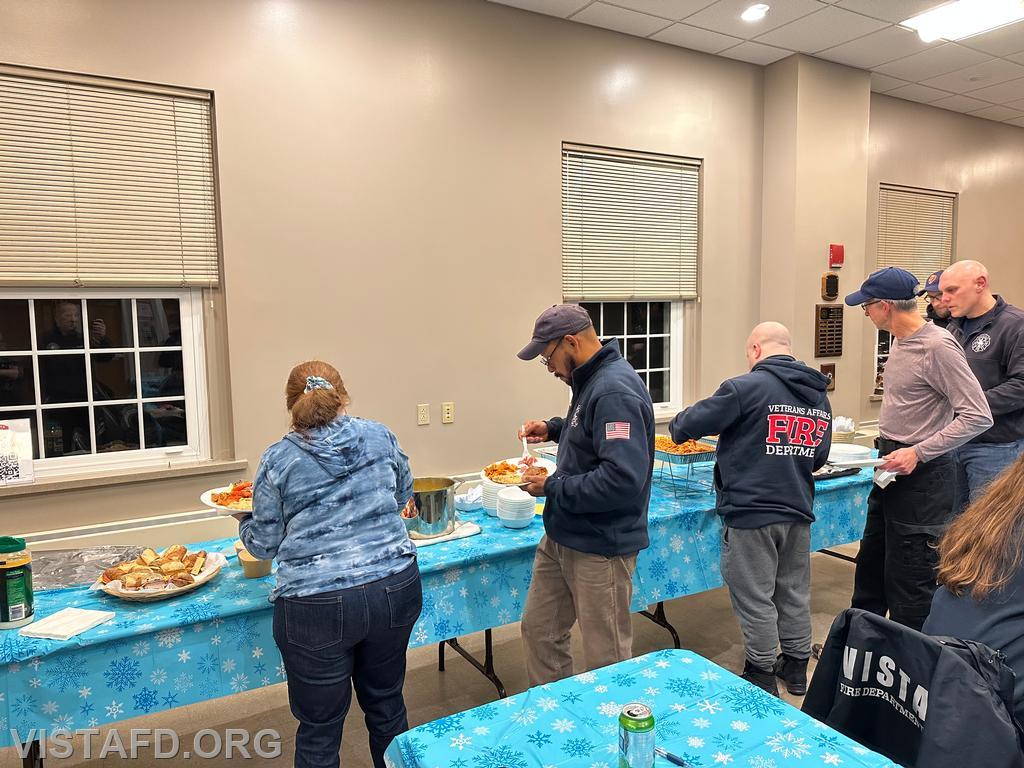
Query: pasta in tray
(665,445)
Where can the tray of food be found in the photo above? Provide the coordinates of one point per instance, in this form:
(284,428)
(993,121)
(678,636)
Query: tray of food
(153,576)
(690,452)
(231,499)
(517,471)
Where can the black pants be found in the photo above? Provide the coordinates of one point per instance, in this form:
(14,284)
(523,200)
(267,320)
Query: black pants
(896,564)
(336,640)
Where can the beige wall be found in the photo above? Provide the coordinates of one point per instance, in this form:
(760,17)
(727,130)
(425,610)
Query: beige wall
(389,178)
(983,161)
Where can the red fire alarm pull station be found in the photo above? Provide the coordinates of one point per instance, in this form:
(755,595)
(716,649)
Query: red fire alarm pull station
(835,255)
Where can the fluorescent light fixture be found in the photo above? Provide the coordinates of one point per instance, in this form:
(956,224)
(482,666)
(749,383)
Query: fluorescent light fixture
(755,12)
(963,18)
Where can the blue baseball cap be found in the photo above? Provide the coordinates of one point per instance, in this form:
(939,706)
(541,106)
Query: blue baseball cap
(554,323)
(931,285)
(890,283)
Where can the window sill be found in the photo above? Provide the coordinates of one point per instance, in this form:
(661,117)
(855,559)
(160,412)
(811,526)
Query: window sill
(123,477)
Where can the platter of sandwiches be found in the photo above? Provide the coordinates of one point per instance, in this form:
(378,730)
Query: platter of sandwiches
(153,576)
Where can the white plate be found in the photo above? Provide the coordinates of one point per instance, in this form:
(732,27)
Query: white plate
(207,499)
(214,562)
(546,463)
(851,463)
(847,452)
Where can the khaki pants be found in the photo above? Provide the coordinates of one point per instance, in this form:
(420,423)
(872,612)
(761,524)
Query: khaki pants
(568,587)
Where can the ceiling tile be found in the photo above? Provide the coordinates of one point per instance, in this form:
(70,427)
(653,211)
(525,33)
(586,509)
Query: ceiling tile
(960,103)
(997,113)
(998,42)
(826,28)
(620,19)
(562,8)
(987,73)
(756,53)
(1018,121)
(695,38)
(667,9)
(915,92)
(1002,93)
(877,48)
(933,62)
(1016,105)
(1018,57)
(883,83)
(724,16)
(890,10)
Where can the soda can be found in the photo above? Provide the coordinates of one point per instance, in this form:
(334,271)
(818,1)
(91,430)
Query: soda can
(636,736)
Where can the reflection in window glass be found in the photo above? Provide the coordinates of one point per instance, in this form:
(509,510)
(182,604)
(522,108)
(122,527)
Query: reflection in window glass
(15,332)
(62,378)
(165,423)
(110,323)
(162,374)
(643,332)
(117,428)
(31,416)
(66,432)
(17,381)
(59,323)
(159,322)
(113,376)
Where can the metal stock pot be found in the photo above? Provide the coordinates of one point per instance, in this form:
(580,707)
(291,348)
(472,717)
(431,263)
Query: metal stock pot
(434,501)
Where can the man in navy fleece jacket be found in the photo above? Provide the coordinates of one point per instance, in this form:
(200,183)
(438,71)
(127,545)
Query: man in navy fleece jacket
(595,511)
(775,427)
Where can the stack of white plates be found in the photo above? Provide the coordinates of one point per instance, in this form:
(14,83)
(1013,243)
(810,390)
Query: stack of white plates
(490,498)
(515,507)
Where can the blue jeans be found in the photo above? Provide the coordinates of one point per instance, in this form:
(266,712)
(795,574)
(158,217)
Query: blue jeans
(336,640)
(977,465)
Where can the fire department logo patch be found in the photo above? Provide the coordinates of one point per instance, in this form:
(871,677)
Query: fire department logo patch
(981,343)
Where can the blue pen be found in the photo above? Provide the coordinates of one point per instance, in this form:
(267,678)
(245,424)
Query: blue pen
(674,759)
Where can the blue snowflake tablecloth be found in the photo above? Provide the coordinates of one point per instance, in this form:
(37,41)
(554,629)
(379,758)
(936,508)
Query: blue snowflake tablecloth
(703,713)
(217,640)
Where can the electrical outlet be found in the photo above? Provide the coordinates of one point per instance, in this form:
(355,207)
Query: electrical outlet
(447,413)
(423,414)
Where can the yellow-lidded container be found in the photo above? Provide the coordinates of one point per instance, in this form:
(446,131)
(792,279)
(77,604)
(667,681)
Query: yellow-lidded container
(16,608)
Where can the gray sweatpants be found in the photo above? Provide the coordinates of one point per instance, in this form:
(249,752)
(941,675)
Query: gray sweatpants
(768,572)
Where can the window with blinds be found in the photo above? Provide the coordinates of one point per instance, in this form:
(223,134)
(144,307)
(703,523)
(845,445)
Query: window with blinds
(915,230)
(104,185)
(630,225)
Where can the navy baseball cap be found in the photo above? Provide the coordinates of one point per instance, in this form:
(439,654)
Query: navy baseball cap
(890,283)
(931,285)
(554,323)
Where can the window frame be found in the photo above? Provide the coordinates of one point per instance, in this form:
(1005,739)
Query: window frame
(193,345)
(677,346)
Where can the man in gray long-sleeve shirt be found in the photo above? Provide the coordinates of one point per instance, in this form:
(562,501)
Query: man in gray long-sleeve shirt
(931,405)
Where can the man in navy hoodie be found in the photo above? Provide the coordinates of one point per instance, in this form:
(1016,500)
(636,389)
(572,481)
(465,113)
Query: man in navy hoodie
(775,427)
(595,510)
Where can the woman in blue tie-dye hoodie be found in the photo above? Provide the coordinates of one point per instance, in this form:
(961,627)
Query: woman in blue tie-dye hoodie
(326,502)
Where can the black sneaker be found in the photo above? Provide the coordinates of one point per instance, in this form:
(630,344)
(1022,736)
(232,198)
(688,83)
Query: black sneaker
(793,672)
(762,678)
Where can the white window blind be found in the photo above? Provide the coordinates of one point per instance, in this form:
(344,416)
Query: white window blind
(105,186)
(915,230)
(629,225)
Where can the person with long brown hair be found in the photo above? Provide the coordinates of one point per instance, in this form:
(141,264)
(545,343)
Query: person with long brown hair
(326,502)
(981,575)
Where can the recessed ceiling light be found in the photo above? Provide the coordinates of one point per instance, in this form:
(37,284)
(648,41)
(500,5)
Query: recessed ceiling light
(755,12)
(963,18)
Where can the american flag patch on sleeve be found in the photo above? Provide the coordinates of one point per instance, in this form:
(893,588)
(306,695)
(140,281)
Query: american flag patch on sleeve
(616,430)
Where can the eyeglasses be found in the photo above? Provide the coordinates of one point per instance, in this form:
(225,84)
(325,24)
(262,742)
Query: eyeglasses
(546,361)
(867,304)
